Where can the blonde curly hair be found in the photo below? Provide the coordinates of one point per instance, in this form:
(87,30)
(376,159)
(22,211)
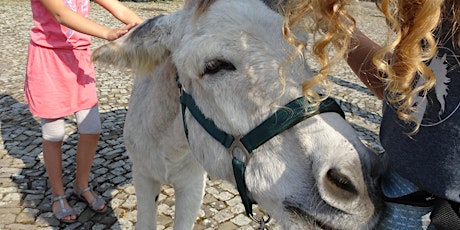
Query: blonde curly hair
(321,17)
(416,25)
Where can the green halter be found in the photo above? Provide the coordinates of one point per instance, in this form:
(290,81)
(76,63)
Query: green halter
(241,147)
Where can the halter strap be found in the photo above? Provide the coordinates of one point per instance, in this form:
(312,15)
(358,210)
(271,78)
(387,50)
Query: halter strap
(283,119)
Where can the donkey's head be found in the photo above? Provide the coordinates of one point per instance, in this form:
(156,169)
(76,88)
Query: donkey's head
(228,55)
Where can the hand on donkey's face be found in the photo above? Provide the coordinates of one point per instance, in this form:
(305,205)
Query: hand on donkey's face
(119,32)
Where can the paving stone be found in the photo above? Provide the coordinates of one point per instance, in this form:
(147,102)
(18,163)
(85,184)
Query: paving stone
(19,226)
(241,220)
(7,218)
(25,218)
(10,210)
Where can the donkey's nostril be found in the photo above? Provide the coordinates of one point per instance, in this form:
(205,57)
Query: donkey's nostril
(337,181)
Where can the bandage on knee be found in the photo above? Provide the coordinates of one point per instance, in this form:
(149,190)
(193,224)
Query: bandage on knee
(53,129)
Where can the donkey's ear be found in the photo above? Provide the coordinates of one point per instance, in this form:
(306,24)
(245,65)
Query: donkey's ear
(142,49)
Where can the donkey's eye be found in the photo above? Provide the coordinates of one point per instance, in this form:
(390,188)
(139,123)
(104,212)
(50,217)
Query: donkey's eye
(214,66)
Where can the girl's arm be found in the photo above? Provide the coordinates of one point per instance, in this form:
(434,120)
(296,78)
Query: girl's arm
(360,60)
(120,11)
(77,22)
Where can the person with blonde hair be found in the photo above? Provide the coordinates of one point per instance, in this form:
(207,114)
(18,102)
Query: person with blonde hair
(417,74)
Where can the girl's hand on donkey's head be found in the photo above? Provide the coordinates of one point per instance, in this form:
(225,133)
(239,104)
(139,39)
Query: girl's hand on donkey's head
(117,33)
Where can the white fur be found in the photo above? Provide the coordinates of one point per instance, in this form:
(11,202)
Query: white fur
(287,176)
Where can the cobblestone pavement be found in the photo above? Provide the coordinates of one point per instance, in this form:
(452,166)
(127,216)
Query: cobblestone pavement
(24,191)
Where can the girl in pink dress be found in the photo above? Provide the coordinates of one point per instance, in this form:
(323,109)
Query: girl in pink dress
(60,81)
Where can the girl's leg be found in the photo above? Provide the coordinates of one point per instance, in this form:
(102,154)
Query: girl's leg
(53,134)
(89,127)
(86,149)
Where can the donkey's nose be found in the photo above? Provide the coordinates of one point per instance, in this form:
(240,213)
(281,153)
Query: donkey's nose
(339,185)
(344,189)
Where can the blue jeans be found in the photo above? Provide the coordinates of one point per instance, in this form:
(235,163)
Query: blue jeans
(399,216)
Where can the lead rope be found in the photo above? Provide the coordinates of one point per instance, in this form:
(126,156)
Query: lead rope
(239,169)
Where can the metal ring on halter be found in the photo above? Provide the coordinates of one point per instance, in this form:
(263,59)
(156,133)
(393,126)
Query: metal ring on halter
(261,222)
(239,151)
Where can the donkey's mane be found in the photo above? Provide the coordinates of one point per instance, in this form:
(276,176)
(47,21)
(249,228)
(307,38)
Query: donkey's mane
(201,5)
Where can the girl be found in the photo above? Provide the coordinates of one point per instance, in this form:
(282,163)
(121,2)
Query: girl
(60,81)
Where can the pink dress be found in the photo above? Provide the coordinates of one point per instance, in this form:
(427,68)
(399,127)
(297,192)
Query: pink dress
(60,77)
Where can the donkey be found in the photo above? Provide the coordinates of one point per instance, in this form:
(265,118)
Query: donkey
(209,99)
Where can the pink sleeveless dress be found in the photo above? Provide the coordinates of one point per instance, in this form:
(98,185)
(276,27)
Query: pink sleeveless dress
(60,77)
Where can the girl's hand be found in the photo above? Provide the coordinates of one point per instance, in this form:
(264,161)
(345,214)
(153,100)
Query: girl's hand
(117,33)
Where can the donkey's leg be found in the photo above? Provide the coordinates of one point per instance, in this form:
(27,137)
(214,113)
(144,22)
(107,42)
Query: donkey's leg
(189,195)
(147,191)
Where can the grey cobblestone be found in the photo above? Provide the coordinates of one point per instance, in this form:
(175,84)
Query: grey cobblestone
(24,191)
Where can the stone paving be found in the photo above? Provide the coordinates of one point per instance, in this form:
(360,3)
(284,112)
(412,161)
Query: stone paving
(24,191)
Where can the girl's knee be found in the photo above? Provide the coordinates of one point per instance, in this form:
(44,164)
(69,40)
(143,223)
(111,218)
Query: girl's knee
(53,129)
(88,121)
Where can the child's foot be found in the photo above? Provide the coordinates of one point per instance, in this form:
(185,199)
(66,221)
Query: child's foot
(87,195)
(62,210)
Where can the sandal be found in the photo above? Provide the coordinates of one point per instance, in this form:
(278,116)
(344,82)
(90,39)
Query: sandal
(63,212)
(95,203)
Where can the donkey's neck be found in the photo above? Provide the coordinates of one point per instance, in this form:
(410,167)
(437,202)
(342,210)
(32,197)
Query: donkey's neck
(158,95)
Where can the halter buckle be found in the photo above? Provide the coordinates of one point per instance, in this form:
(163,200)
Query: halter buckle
(239,151)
